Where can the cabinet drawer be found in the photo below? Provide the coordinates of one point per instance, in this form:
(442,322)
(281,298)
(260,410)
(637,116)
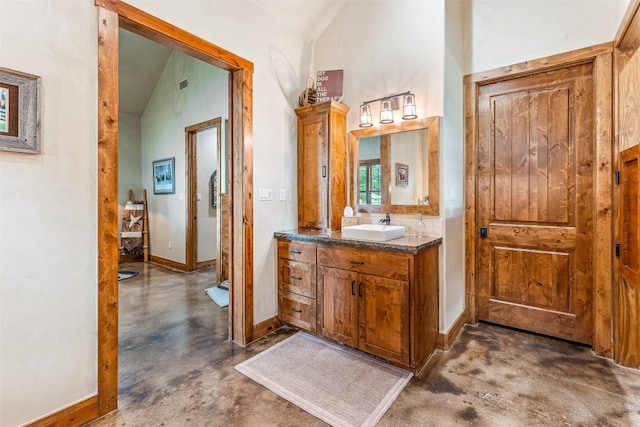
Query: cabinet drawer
(297,251)
(297,310)
(297,277)
(377,263)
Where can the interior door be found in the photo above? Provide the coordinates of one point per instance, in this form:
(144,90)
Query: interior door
(534,203)
(627,328)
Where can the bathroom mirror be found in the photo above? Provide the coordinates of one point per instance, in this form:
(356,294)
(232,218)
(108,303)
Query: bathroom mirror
(395,167)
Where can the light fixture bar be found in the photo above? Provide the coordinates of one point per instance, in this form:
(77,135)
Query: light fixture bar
(386,111)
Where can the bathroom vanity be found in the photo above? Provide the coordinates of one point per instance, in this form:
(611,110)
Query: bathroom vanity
(378,297)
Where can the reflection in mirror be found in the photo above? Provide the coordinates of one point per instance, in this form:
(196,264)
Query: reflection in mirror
(407,157)
(395,167)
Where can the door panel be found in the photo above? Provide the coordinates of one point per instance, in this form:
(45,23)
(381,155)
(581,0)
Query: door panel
(383,317)
(627,295)
(534,195)
(312,170)
(337,304)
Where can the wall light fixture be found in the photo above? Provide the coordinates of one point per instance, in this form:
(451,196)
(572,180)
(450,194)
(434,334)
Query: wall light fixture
(386,109)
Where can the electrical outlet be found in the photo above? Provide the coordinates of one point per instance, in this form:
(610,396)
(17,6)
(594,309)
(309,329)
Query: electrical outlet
(265,194)
(169,244)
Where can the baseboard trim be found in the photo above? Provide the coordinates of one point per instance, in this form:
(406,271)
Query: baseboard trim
(263,328)
(207,263)
(71,416)
(168,263)
(446,339)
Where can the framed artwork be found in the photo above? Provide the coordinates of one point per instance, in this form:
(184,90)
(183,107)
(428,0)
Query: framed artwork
(213,188)
(19,112)
(402,175)
(164,176)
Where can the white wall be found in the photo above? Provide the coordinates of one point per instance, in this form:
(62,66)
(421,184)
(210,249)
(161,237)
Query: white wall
(386,47)
(129,159)
(504,32)
(164,121)
(452,298)
(207,219)
(48,209)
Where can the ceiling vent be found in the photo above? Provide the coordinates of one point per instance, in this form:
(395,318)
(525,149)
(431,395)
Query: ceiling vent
(182,85)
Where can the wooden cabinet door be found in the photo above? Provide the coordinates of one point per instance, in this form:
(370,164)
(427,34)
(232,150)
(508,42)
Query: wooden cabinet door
(337,305)
(313,168)
(535,203)
(383,306)
(627,295)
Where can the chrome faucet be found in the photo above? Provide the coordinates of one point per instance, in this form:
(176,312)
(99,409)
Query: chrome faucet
(386,220)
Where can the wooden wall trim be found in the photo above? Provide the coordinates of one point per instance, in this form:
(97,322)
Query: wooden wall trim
(630,20)
(241,297)
(447,338)
(559,60)
(265,327)
(148,26)
(471,162)
(601,56)
(107,211)
(603,204)
(180,266)
(71,416)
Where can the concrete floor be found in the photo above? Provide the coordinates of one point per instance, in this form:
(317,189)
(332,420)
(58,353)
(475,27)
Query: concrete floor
(176,368)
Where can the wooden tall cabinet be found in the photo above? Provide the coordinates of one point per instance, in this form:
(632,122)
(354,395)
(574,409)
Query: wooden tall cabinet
(322,165)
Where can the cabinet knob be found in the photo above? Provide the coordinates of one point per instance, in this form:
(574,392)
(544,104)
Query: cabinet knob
(294,252)
(357,262)
(296,277)
(296,310)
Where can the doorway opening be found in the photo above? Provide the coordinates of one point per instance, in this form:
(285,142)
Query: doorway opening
(112,15)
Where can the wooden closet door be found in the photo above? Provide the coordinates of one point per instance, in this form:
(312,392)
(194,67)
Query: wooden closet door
(313,167)
(627,296)
(534,198)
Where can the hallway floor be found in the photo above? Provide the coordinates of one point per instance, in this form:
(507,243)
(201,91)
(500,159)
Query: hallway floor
(176,368)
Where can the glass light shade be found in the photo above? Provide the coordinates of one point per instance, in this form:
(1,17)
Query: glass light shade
(365,116)
(386,114)
(409,109)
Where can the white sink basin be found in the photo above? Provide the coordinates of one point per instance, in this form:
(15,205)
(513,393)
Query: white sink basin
(375,232)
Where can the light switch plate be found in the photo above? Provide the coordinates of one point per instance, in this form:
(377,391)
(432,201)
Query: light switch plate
(265,194)
(283,194)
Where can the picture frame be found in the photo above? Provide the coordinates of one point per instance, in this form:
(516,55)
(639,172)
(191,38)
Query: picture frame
(213,187)
(402,175)
(20,99)
(164,181)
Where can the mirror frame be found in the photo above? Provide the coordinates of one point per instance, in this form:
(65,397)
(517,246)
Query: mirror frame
(432,125)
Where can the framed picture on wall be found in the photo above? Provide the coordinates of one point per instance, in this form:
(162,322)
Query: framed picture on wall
(164,176)
(19,112)
(402,175)
(213,186)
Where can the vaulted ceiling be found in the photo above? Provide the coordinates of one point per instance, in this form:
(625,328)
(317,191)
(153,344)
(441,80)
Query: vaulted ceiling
(142,61)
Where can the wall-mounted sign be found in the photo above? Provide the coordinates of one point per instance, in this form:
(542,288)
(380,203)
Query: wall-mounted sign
(329,85)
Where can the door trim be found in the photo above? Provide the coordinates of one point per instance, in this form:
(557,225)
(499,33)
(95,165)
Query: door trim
(114,14)
(601,57)
(191,168)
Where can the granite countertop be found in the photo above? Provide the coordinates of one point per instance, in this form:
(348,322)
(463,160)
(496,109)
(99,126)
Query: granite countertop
(407,244)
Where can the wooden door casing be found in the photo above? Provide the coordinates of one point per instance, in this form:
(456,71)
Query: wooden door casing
(627,295)
(534,196)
